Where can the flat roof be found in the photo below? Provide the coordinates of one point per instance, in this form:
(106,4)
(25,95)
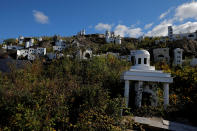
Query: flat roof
(147,75)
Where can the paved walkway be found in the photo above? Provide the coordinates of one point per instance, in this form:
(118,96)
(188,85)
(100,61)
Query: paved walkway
(164,124)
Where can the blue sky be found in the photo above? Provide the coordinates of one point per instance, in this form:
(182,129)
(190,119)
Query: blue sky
(66,17)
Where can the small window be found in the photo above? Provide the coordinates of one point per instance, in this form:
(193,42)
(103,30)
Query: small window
(139,61)
(160,56)
(191,35)
(87,55)
(132,59)
(145,61)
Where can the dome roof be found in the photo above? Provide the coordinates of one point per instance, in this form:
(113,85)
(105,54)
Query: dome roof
(142,52)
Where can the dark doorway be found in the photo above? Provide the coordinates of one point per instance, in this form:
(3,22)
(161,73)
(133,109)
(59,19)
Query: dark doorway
(146,99)
(87,55)
(133,60)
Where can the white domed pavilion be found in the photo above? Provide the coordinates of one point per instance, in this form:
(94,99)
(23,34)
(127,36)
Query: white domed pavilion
(143,72)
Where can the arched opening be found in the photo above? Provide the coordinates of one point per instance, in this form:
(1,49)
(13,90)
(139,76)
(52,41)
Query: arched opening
(133,60)
(139,61)
(145,61)
(161,56)
(87,55)
(191,35)
(146,99)
(149,98)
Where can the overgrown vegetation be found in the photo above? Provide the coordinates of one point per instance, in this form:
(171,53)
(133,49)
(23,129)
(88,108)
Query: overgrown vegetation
(73,94)
(66,94)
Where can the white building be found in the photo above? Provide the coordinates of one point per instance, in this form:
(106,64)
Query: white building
(143,72)
(82,32)
(28,41)
(172,36)
(41,51)
(161,54)
(31,53)
(110,37)
(58,48)
(178,56)
(12,47)
(86,54)
(22,53)
(31,57)
(20,39)
(170,33)
(60,45)
(28,44)
(40,39)
(193,62)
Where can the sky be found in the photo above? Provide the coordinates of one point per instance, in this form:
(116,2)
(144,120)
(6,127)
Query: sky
(128,18)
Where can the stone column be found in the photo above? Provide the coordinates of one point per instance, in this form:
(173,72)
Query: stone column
(126,92)
(166,95)
(138,97)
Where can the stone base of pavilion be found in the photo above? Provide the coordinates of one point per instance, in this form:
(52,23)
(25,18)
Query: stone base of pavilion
(148,75)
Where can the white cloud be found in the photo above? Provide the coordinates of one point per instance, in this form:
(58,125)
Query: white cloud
(123,30)
(147,26)
(186,10)
(40,17)
(183,12)
(163,15)
(185,28)
(102,26)
(161,29)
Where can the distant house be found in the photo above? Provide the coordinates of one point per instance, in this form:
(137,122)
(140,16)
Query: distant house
(86,54)
(40,39)
(110,37)
(172,36)
(161,54)
(12,47)
(82,32)
(31,53)
(29,41)
(60,45)
(178,54)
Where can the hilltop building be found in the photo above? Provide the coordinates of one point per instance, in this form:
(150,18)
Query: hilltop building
(82,32)
(20,39)
(40,39)
(141,74)
(170,33)
(110,37)
(178,53)
(60,45)
(172,36)
(12,47)
(161,54)
(31,53)
(27,40)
